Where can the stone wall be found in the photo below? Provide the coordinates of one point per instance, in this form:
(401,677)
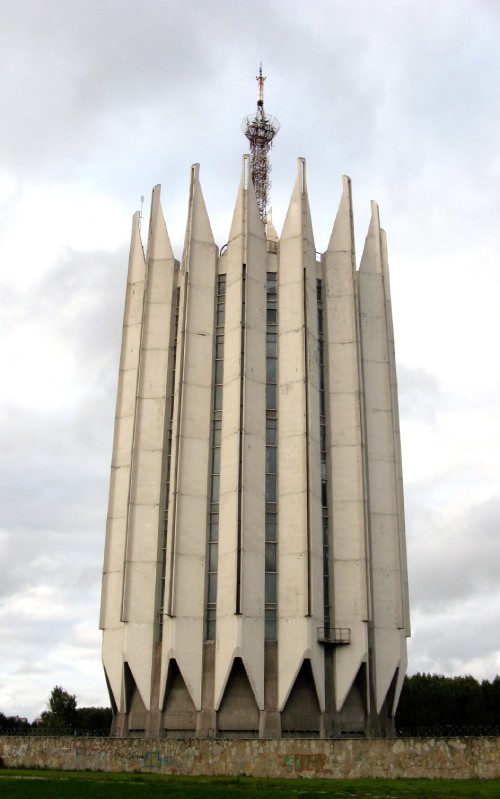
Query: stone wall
(445,758)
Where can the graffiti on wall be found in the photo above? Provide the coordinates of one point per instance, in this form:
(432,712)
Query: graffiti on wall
(157,760)
(298,763)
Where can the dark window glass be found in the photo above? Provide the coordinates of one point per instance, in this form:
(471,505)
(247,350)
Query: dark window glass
(218,398)
(212,588)
(213,557)
(271,460)
(270,557)
(271,396)
(271,349)
(270,587)
(270,627)
(216,460)
(271,370)
(270,527)
(270,488)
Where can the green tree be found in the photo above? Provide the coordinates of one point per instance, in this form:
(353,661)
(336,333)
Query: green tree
(62,713)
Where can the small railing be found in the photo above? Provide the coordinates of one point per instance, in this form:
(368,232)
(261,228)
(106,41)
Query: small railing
(334,636)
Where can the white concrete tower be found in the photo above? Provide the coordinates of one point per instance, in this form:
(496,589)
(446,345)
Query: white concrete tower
(255,576)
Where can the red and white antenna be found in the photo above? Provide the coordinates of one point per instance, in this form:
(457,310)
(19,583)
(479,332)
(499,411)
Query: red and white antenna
(260,130)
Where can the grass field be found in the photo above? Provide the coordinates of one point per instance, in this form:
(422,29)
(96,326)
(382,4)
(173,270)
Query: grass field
(24,784)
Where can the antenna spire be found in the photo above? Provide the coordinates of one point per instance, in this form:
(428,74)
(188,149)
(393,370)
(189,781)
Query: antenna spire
(260,130)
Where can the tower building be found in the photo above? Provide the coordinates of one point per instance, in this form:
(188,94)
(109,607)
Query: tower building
(255,569)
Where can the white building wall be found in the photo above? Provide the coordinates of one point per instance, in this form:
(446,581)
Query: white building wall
(183,626)
(348,556)
(300,595)
(240,595)
(116,529)
(381,465)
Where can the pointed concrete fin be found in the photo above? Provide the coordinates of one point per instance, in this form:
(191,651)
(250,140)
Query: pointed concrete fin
(385,266)
(198,225)
(158,243)
(246,217)
(342,238)
(298,218)
(238,220)
(371,260)
(136,261)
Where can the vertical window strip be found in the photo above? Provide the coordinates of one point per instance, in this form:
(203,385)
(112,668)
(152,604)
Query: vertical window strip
(271,519)
(214,490)
(324,462)
(168,464)
(241,435)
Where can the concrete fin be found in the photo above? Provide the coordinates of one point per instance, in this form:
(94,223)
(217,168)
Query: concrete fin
(387,660)
(238,709)
(246,217)
(249,666)
(112,648)
(158,242)
(198,226)
(238,220)
(136,263)
(181,642)
(348,660)
(371,260)
(139,644)
(291,661)
(342,238)
(298,217)
(405,601)
(253,661)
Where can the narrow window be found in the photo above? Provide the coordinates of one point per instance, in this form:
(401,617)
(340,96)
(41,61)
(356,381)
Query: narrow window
(271,599)
(213,511)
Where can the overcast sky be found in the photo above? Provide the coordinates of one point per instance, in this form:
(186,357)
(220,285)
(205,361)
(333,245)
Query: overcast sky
(101,100)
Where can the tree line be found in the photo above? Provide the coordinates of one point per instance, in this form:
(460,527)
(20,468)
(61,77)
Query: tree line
(427,701)
(62,715)
(432,700)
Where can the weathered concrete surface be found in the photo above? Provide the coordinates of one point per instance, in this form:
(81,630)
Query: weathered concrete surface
(433,758)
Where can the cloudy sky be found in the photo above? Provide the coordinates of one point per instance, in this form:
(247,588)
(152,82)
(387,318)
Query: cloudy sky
(101,100)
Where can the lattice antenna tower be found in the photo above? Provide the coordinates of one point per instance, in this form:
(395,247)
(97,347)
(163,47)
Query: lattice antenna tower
(260,130)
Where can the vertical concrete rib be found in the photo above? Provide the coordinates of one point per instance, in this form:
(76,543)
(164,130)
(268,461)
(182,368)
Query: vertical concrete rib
(381,466)
(405,602)
(121,464)
(240,592)
(145,522)
(300,600)
(347,492)
(183,629)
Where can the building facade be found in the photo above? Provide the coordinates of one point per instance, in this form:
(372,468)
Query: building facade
(255,576)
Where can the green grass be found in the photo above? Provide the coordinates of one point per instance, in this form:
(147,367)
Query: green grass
(24,783)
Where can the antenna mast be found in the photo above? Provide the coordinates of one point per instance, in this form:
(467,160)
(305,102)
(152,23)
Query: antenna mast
(260,130)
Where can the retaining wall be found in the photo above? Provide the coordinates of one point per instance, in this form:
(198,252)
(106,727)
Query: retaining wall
(455,758)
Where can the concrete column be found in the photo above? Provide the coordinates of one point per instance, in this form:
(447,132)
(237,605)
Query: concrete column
(300,567)
(183,626)
(381,467)
(116,528)
(145,522)
(348,557)
(240,588)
